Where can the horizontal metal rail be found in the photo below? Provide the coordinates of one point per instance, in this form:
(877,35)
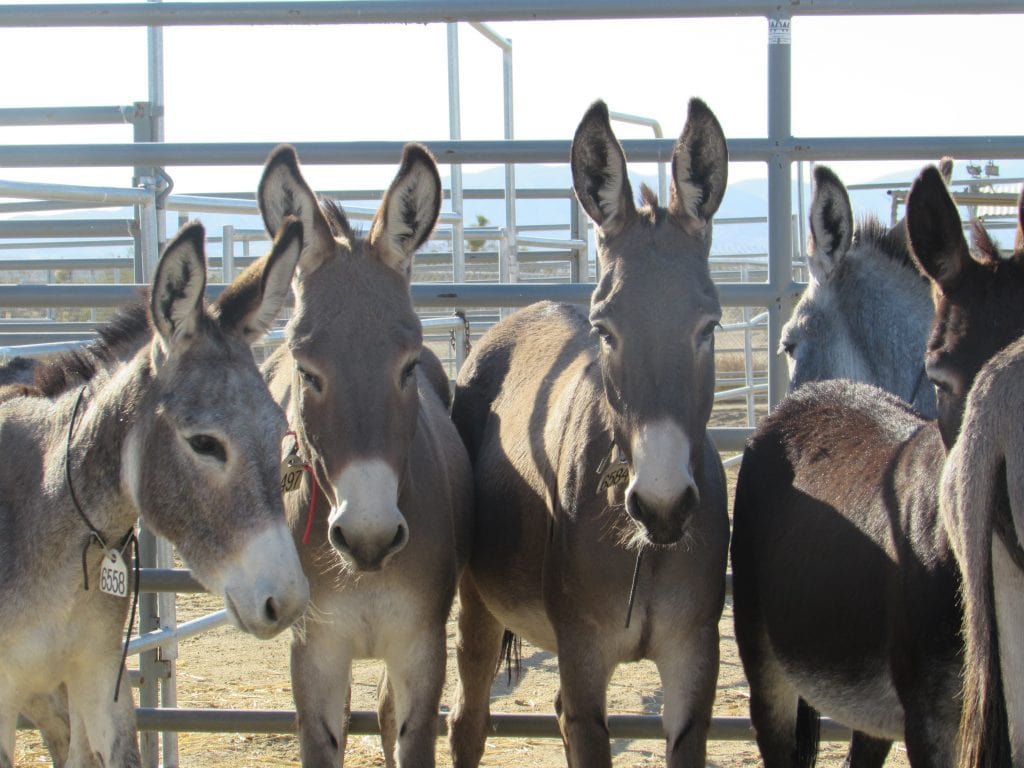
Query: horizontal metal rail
(161,637)
(364,723)
(425,295)
(496,151)
(271,13)
(21,116)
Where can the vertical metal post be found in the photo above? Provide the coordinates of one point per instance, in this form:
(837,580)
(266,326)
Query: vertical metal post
(149,233)
(780,245)
(510,168)
(168,613)
(580,267)
(801,213)
(455,133)
(228,253)
(155,55)
(150,668)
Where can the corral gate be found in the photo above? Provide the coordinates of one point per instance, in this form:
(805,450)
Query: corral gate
(779,151)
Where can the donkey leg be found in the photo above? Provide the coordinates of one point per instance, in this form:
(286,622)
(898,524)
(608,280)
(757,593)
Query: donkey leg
(477,648)
(773,712)
(1008,585)
(50,715)
(416,676)
(8,728)
(386,719)
(689,675)
(866,751)
(102,731)
(580,705)
(321,684)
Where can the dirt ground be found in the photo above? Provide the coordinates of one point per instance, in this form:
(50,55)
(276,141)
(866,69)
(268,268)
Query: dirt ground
(227,669)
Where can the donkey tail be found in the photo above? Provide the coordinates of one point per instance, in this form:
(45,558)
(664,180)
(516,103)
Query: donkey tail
(808,734)
(974,472)
(511,656)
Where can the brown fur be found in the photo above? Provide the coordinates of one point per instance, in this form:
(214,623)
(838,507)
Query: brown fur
(361,391)
(540,402)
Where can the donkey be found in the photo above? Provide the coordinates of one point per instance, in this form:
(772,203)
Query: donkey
(386,533)
(867,308)
(184,433)
(588,440)
(844,579)
(982,502)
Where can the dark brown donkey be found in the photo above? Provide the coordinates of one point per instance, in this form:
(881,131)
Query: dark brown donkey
(389,533)
(845,584)
(982,503)
(588,438)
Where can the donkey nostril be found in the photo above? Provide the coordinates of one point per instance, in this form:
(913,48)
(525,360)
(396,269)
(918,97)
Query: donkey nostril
(270,611)
(338,538)
(691,498)
(399,541)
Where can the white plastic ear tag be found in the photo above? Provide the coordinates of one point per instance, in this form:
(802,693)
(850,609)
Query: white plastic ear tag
(114,574)
(291,473)
(614,471)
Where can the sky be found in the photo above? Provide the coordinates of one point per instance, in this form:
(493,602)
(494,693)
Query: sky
(853,76)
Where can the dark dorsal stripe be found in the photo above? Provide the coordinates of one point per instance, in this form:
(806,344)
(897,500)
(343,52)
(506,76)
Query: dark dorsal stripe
(125,333)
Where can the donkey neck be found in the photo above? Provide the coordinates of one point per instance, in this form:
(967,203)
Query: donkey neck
(94,445)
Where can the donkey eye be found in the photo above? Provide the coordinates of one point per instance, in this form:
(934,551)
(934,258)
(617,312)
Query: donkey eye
(604,335)
(787,348)
(207,445)
(708,331)
(408,372)
(311,379)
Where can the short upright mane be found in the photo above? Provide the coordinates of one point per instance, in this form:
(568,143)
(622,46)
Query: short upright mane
(126,332)
(890,242)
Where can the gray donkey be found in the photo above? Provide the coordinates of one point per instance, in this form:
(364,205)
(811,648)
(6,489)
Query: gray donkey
(183,433)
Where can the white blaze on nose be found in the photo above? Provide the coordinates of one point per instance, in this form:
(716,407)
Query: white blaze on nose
(661,462)
(263,584)
(367,493)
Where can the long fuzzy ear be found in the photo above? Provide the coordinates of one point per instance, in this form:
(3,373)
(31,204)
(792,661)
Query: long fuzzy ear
(599,172)
(408,212)
(176,299)
(700,168)
(284,192)
(934,230)
(249,306)
(831,223)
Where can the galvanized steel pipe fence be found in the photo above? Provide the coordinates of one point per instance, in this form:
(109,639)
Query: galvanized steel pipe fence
(779,150)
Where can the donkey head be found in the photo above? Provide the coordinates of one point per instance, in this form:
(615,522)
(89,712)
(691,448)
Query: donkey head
(202,463)
(655,310)
(865,313)
(355,341)
(978,296)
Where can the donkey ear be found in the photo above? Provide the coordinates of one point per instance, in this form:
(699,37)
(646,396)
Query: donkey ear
(934,230)
(1018,245)
(599,172)
(249,306)
(700,169)
(946,169)
(831,221)
(176,301)
(407,214)
(284,192)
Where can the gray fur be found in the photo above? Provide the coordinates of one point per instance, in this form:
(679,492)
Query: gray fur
(866,311)
(138,446)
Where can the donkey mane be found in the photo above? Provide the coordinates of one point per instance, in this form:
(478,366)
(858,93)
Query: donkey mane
(128,326)
(891,243)
(338,221)
(649,198)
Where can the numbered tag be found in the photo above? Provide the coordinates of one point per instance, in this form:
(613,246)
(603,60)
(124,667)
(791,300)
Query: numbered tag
(291,473)
(614,470)
(114,574)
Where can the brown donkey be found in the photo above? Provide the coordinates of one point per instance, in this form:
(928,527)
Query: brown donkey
(844,578)
(183,433)
(589,445)
(982,503)
(388,531)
